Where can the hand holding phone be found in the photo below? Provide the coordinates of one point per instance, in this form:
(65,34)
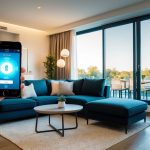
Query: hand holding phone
(10,69)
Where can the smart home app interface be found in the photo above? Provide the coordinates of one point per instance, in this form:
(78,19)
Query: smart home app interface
(9,69)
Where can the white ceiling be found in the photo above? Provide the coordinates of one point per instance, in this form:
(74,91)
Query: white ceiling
(55,13)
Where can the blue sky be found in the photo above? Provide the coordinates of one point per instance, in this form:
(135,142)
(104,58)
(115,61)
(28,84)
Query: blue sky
(119,48)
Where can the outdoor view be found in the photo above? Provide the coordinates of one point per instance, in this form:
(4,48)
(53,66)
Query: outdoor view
(145,59)
(119,58)
(89,55)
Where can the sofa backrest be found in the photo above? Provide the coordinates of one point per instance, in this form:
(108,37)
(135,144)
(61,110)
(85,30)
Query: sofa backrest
(80,87)
(40,86)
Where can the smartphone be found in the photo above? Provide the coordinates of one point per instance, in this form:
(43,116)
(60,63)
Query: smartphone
(10,69)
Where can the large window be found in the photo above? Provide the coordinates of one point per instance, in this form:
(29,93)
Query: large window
(89,55)
(145,60)
(119,59)
(124,48)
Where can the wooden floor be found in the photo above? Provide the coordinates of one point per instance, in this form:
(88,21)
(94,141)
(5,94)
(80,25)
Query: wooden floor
(139,141)
(7,145)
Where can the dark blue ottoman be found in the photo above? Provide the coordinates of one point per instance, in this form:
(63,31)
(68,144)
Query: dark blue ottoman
(122,111)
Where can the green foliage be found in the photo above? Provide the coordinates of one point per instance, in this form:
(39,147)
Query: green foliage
(92,73)
(145,73)
(50,66)
(61,98)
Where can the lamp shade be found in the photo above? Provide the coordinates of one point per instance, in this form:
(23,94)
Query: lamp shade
(64,53)
(60,63)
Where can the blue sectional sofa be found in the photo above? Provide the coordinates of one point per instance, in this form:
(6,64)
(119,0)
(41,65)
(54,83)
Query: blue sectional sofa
(121,111)
(85,91)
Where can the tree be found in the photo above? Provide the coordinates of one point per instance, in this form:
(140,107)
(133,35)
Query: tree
(50,66)
(81,73)
(93,72)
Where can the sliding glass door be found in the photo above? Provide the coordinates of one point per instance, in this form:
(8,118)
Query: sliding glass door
(119,52)
(119,60)
(89,55)
(145,60)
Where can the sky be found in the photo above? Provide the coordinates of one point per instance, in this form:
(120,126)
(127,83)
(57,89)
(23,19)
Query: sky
(119,48)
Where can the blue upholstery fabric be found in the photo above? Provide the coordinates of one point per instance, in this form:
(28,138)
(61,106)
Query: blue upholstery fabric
(77,86)
(40,86)
(49,86)
(15,115)
(93,87)
(107,91)
(16,104)
(81,99)
(116,119)
(43,100)
(117,107)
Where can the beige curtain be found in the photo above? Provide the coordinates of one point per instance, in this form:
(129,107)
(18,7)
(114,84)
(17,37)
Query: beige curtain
(57,43)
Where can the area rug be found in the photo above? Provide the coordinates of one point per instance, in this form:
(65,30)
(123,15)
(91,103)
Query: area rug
(95,136)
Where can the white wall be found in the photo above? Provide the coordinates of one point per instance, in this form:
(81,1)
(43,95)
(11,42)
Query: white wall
(6,36)
(37,43)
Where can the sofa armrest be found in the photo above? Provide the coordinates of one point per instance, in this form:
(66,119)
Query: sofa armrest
(107,91)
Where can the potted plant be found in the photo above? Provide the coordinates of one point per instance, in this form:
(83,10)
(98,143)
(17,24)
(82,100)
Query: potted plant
(61,101)
(50,65)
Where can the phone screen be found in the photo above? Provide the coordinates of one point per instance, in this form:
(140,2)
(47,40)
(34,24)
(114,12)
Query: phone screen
(9,69)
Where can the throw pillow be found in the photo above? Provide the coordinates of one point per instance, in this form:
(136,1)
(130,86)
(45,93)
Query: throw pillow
(65,88)
(93,87)
(77,86)
(40,86)
(55,87)
(28,91)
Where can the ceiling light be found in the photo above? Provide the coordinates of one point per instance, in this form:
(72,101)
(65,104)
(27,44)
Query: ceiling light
(39,7)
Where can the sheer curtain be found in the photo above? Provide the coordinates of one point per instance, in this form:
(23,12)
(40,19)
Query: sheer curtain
(57,43)
(74,74)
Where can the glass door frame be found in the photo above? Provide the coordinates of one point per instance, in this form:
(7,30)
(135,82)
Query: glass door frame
(136,48)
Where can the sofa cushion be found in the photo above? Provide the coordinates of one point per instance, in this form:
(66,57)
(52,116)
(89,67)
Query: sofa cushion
(93,87)
(40,86)
(77,86)
(81,99)
(55,87)
(16,104)
(66,88)
(44,100)
(28,91)
(49,86)
(117,107)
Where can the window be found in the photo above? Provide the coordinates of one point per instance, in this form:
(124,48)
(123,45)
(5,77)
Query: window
(89,55)
(126,56)
(119,59)
(145,60)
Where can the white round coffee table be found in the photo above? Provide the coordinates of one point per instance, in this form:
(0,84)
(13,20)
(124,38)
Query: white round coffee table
(53,109)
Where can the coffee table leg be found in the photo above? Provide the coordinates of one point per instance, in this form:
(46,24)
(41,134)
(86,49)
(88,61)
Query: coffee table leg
(62,124)
(36,122)
(55,129)
(49,118)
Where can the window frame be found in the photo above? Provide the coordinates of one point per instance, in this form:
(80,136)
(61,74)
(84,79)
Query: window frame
(136,48)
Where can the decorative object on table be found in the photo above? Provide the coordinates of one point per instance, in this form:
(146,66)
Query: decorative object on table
(61,62)
(61,101)
(50,65)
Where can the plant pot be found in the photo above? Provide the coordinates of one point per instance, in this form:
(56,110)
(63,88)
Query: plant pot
(61,104)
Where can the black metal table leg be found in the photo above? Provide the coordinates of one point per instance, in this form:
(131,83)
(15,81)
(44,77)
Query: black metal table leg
(62,124)
(36,124)
(59,131)
(49,119)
